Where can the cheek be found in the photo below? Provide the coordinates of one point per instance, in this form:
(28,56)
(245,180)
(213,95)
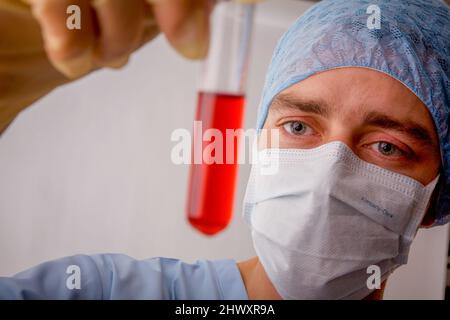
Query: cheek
(269,137)
(423,171)
(426,173)
(427,167)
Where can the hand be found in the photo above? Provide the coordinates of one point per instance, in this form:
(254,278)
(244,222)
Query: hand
(38,52)
(112,29)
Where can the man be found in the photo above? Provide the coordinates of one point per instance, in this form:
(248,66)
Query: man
(363,160)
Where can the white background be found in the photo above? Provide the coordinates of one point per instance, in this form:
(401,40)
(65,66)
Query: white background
(87,169)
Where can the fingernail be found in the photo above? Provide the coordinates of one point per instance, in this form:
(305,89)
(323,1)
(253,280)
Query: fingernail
(117,63)
(193,40)
(76,66)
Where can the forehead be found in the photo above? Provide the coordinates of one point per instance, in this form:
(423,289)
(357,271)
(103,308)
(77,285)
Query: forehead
(355,91)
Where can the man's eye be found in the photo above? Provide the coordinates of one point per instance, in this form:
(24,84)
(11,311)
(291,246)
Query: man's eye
(298,128)
(387,149)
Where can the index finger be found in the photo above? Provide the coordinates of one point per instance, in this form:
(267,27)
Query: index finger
(185,24)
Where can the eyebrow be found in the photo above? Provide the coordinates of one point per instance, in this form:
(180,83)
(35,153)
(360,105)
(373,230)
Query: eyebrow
(311,106)
(412,129)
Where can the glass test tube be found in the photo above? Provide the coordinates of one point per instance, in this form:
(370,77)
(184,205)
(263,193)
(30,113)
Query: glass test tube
(221,100)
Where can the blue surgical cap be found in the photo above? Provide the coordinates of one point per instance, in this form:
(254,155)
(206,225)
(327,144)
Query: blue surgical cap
(411,44)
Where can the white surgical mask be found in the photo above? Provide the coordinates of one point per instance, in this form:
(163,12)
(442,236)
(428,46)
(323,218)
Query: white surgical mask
(324,216)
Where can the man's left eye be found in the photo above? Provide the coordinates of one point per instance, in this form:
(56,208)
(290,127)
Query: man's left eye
(387,149)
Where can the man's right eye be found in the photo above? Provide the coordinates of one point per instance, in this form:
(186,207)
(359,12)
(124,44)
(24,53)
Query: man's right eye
(298,128)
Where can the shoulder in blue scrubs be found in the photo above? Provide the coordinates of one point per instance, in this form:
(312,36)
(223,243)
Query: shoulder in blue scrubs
(115,276)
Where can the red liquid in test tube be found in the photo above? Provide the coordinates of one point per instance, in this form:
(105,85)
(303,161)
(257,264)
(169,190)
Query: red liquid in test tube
(212,186)
(220,106)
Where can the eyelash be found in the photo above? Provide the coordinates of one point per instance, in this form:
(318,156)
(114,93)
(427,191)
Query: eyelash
(396,149)
(287,126)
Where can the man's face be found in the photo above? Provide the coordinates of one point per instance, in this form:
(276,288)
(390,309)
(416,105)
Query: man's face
(380,119)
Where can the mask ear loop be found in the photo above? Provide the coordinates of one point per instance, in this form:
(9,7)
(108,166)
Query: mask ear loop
(430,217)
(413,226)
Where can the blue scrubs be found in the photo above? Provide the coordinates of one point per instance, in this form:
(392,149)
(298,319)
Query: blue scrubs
(115,276)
